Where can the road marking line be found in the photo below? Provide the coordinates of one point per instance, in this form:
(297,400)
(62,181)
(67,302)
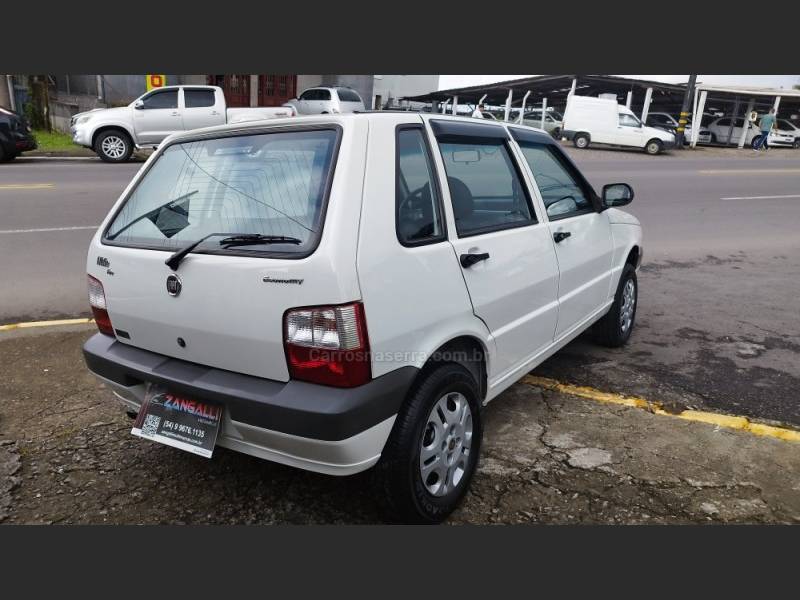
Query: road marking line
(27,186)
(43,230)
(32,324)
(699,416)
(745,171)
(761,197)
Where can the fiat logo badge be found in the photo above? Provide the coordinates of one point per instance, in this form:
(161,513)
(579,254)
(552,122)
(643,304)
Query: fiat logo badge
(174,285)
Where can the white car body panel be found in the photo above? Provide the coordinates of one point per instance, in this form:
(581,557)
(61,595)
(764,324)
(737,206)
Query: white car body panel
(307,104)
(599,117)
(530,299)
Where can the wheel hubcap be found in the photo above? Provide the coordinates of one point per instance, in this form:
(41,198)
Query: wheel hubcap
(445,448)
(113,146)
(628,305)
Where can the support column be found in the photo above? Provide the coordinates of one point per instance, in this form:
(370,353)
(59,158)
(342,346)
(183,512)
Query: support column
(628,100)
(777,104)
(734,116)
(646,109)
(254,90)
(544,110)
(5,93)
(574,85)
(455,105)
(522,110)
(697,117)
(743,136)
(508,104)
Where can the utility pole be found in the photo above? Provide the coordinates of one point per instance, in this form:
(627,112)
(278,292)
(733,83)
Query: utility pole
(683,118)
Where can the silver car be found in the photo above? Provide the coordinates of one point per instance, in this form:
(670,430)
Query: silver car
(327,100)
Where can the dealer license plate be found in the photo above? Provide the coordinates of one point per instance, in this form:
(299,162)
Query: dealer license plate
(190,425)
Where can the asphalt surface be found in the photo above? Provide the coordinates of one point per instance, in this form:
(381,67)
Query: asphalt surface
(67,456)
(717,321)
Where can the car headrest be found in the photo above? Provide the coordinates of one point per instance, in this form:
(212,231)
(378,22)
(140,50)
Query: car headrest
(463,204)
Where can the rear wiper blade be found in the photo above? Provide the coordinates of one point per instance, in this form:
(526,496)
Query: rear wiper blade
(257,238)
(233,239)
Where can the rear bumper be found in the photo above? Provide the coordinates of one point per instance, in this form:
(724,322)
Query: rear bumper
(319,428)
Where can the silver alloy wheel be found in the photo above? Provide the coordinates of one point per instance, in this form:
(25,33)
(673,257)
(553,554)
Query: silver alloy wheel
(113,146)
(628,305)
(445,447)
(582,142)
(652,148)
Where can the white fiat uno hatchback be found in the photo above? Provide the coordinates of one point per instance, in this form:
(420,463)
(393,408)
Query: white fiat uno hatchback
(341,292)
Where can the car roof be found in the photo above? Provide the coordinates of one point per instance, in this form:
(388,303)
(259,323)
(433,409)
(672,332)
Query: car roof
(342,119)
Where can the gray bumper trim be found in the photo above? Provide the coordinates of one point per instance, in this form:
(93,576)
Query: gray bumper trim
(295,407)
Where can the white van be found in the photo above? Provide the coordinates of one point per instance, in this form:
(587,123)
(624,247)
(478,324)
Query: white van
(346,291)
(590,120)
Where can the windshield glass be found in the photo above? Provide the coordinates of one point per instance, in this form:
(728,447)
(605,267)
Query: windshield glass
(270,184)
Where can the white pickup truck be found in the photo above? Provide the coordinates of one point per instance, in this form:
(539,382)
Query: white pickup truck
(113,133)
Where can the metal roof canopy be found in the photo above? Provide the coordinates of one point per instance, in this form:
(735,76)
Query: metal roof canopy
(555,88)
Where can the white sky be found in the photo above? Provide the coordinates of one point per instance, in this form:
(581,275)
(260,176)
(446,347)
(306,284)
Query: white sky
(774,81)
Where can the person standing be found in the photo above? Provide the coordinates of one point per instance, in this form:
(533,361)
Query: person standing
(766,124)
(477,113)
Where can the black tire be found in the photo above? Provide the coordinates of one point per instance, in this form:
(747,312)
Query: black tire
(609,329)
(124,142)
(796,143)
(654,147)
(581,140)
(397,475)
(754,142)
(6,156)
(556,133)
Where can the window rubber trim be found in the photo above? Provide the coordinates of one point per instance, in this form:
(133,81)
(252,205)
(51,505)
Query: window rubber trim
(242,133)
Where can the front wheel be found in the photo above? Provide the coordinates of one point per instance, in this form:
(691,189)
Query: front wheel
(432,452)
(581,141)
(113,146)
(654,147)
(614,329)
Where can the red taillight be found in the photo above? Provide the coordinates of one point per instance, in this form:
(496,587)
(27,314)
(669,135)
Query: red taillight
(97,300)
(328,345)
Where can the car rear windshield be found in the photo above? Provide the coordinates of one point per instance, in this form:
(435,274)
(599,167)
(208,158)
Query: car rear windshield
(346,95)
(272,184)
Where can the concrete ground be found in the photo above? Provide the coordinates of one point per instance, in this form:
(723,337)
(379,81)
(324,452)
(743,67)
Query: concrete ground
(67,456)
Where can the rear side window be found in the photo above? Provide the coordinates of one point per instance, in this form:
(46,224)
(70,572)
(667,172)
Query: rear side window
(273,184)
(418,208)
(485,187)
(198,98)
(562,192)
(347,95)
(165,99)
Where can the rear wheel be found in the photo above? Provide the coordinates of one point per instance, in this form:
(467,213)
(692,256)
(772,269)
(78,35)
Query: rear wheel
(614,329)
(654,147)
(431,455)
(581,140)
(113,145)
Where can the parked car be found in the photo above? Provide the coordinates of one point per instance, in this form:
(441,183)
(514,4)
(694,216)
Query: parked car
(113,133)
(343,300)
(589,120)
(787,127)
(327,100)
(667,122)
(15,135)
(721,128)
(533,118)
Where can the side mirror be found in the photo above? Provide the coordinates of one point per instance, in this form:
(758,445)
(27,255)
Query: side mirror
(138,105)
(617,194)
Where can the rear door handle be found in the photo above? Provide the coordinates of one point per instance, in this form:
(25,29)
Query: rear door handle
(467,260)
(560,236)
(176,114)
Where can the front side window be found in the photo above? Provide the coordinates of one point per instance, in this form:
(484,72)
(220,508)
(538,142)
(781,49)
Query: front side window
(165,99)
(628,120)
(562,193)
(485,188)
(198,98)
(324,95)
(272,184)
(309,95)
(418,217)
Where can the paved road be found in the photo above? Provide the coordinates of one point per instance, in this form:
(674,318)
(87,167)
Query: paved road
(717,325)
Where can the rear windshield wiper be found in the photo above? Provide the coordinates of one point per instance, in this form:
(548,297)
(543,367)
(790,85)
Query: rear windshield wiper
(235,239)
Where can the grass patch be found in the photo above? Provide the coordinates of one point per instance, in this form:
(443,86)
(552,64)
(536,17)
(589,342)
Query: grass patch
(53,141)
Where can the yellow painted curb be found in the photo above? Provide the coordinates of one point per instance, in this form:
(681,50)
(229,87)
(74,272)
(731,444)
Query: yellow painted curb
(27,186)
(32,324)
(699,416)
